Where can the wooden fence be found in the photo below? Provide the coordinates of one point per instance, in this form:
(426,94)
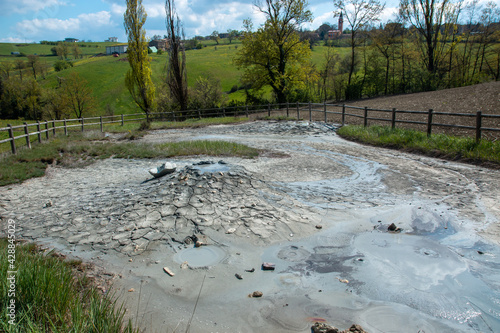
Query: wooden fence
(335,113)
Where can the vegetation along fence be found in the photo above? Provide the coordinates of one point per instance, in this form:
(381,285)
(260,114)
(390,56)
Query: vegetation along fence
(468,123)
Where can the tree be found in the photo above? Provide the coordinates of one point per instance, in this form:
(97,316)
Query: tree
(274,55)
(19,64)
(34,64)
(78,94)
(138,78)
(207,94)
(176,78)
(232,34)
(430,17)
(323,30)
(215,36)
(359,14)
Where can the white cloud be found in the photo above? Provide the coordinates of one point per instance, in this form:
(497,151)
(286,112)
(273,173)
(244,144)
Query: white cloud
(118,9)
(15,40)
(8,7)
(43,27)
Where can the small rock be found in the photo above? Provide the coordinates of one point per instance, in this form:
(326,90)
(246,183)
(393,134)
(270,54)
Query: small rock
(130,260)
(267,266)
(250,270)
(48,204)
(238,276)
(185,265)
(394,228)
(256,294)
(199,244)
(323,328)
(168,271)
(231,231)
(319,227)
(131,290)
(480,252)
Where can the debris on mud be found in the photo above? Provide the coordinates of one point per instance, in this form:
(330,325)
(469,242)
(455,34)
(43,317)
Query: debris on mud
(325,328)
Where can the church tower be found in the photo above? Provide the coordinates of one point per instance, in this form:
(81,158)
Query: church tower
(341,23)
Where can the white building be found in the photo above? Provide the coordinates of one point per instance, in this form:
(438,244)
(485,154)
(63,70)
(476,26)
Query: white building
(120,49)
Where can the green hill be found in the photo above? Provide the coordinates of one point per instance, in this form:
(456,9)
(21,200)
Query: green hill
(106,74)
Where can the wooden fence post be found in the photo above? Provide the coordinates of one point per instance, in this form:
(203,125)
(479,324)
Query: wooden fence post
(268,110)
(199,114)
(246,110)
(65,128)
(123,120)
(39,133)
(27,133)
(310,111)
(12,141)
(53,127)
(47,129)
(83,124)
(224,112)
(324,109)
(393,120)
(365,118)
(429,123)
(298,111)
(287,109)
(343,114)
(478,125)
(100,118)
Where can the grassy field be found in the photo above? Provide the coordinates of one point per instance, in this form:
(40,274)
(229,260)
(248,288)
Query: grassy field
(106,74)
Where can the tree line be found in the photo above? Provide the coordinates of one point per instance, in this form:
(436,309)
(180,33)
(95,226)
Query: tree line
(431,44)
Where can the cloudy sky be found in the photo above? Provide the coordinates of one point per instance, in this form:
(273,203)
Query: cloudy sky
(96,20)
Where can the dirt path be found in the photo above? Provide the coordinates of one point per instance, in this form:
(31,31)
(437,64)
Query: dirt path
(320,213)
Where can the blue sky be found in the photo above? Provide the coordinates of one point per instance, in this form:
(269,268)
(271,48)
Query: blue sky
(96,20)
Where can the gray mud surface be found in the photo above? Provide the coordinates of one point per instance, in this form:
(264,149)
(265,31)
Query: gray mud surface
(319,210)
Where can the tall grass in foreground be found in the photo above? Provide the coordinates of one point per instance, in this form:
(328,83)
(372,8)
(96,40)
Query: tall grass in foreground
(446,146)
(51,298)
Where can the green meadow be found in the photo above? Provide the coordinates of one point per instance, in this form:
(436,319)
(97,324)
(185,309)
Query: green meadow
(106,74)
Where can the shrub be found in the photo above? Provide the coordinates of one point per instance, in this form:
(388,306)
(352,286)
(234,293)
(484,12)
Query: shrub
(62,64)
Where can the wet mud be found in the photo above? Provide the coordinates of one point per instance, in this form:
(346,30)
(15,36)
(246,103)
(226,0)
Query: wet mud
(321,216)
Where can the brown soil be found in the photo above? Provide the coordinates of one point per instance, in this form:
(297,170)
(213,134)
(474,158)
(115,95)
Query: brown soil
(483,97)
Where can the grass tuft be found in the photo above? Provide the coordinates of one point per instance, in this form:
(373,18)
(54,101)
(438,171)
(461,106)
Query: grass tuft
(50,297)
(438,145)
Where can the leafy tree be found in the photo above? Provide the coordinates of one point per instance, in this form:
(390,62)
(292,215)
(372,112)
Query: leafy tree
(430,17)
(359,15)
(138,78)
(215,36)
(78,94)
(207,94)
(34,64)
(19,64)
(232,34)
(176,78)
(323,30)
(274,54)
(5,68)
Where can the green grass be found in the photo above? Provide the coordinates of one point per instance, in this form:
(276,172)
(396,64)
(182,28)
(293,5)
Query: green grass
(51,297)
(106,75)
(83,148)
(439,145)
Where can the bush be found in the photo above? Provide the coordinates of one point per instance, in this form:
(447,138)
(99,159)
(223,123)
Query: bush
(234,89)
(62,64)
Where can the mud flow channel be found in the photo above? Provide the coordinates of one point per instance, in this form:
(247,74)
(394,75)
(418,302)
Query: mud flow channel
(390,241)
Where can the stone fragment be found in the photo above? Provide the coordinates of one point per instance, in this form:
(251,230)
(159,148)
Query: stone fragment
(231,231)
(168,271)
(393,228)
(131,290)
(238,276)
(323,328)
(267,266)
(256,294)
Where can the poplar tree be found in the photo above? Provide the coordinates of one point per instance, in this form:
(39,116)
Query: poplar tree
(138,78)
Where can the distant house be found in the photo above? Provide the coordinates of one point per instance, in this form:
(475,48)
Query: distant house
(160,44)
(120,49)
(112,39)
(224,35)
(71,40)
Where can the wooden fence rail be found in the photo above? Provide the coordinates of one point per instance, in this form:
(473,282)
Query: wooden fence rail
(343,113)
